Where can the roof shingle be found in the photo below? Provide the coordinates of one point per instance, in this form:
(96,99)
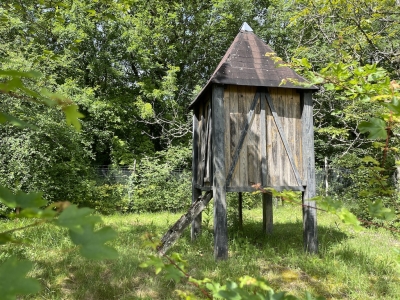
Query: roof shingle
(250,61)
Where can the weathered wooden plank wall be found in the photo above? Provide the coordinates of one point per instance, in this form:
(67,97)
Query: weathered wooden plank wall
(196,224)
(204,170)
(287,105)
(247,169)
(277,169)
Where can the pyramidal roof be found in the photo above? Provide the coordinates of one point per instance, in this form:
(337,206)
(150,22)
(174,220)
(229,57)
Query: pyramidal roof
(249,61)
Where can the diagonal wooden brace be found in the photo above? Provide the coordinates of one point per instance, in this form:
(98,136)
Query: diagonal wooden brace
(247,125)
(173,234)
(283,138)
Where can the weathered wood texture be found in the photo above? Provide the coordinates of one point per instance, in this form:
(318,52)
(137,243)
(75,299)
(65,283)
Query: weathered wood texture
(196,193)
(263,157)
(253,140)
(240,210)
(280,170)
(239,154)
(219,180)
(309,207)
(284,133)
(196,224)
(268,221)
(203,143)
(242,147)
(172,235)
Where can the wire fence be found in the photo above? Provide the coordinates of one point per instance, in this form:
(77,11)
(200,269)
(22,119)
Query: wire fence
(330,180)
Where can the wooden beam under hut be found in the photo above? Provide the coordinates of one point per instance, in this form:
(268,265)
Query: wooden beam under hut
(173,234)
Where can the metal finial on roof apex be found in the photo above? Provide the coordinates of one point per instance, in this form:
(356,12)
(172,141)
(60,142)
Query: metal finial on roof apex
(246,27)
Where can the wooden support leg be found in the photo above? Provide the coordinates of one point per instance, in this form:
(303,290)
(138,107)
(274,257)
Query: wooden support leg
(219,179)
(196,224)
(309,207)
(240,211)
(268,220)
(220,225)
(310,226)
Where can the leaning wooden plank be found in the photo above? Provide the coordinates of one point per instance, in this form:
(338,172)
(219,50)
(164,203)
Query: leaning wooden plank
(243,134)
(177,229)
(283,137)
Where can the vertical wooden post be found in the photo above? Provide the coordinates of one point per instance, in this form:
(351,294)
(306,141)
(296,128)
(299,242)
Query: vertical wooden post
(309,207)
(240,211)
(196,224)
(326,179)
(268,219)
(219,180)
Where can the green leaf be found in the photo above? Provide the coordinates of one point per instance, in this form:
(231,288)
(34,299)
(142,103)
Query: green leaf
(33,212)
(370,159)
(91,12)
(5,238)
(329,86)
(305,63)
(173,273)
(30,200)
(4,117)
(155,261)
(376,128)
(21,199)
(92,242)
(231,295)
(72,116)
(394,106)
(13,279)
(377,210)
(74,218)
(349,218)
(15,73)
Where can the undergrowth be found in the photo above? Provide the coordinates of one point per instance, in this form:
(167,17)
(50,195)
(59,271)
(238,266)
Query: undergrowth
(350,265)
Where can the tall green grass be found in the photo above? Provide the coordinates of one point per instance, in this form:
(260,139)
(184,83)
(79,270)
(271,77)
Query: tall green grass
(350,265)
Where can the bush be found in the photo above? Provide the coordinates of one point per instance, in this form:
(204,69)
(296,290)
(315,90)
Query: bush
(163,182)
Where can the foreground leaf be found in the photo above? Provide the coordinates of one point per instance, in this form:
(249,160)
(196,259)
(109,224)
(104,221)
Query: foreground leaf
(73,115)
(377,210)
(376,128)
(93,242)
(13,279)
(4,117)
(21,199)
(74,218)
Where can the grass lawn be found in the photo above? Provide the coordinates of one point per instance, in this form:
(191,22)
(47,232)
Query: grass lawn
(350,265)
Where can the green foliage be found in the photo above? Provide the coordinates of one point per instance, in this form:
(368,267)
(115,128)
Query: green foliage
(81,225)
(163,182)
(376,128)
(13,281)
(108,198)
(246,288)
(92,242)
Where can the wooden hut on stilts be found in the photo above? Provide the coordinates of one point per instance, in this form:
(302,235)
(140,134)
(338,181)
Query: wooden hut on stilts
(252,125)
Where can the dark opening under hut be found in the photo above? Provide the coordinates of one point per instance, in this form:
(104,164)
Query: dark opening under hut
(252,125)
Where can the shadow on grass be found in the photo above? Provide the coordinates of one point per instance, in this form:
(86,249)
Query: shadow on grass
(74,277)
(254,253)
